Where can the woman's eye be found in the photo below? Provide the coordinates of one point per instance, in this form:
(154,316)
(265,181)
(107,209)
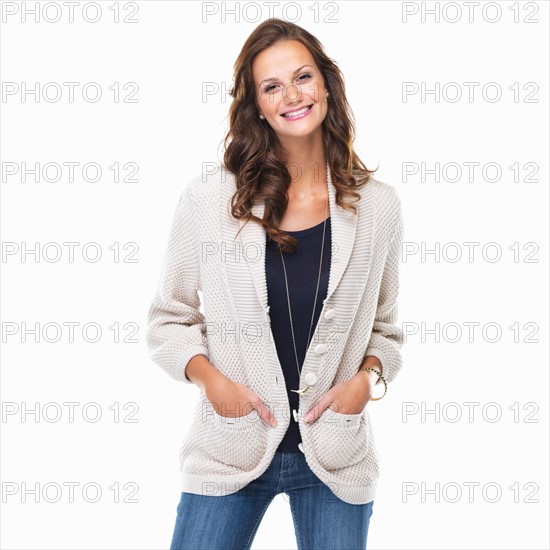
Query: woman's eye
(301,78)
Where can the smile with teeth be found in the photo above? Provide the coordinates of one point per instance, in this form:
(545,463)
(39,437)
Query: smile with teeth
(299,112)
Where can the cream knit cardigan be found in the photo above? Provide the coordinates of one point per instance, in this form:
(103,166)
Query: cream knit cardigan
(220,455)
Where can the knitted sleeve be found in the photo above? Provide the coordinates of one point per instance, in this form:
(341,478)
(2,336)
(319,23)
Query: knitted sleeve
(175,326)
(387,337)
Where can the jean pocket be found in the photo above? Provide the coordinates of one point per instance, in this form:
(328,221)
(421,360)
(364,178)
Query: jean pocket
(339,440)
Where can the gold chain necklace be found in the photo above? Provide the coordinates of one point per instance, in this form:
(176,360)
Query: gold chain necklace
(301,391)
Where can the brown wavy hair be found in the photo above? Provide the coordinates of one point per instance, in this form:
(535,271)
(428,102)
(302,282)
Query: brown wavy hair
(252,150)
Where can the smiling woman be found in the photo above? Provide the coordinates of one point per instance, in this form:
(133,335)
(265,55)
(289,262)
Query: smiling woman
(296,336)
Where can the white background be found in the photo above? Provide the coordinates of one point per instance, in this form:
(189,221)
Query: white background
(171,52)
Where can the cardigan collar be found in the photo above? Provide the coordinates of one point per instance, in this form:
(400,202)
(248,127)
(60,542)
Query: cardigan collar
(253,237)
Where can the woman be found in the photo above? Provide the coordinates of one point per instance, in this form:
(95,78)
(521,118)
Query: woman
(299,290)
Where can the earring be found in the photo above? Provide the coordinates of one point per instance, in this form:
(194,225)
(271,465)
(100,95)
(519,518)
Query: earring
(262,116)
(326,95)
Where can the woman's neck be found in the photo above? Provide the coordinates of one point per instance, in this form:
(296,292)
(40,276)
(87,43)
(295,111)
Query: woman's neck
(306,162)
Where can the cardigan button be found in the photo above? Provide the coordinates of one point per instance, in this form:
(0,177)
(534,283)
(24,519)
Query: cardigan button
(320,348)
(330,313)
(295,414)
(310,379)
(301,447)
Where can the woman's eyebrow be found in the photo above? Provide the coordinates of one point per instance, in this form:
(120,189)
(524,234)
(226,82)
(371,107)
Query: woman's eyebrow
(272,78)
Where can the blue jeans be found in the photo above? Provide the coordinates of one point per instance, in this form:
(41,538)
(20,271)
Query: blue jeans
(230,522)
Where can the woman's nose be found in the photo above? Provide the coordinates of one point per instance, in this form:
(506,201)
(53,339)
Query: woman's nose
(292,93)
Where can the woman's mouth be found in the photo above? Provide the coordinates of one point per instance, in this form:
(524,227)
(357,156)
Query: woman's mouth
(298,113)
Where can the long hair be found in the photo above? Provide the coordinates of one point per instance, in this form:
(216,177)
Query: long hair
(252,150)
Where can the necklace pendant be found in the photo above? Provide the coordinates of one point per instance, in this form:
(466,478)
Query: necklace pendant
(302,391)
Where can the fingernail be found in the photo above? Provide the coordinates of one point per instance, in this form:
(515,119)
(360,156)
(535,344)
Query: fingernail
(274,423)
(307,417)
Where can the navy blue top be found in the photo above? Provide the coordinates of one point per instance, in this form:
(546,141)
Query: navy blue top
(302,269)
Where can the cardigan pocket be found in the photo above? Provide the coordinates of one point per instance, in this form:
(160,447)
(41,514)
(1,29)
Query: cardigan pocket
(239,442)
(339,440)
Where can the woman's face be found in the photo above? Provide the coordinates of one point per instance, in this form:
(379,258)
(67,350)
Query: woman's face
(288,80)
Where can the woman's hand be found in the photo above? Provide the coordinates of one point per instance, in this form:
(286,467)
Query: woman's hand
(233,400)
(348,397)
